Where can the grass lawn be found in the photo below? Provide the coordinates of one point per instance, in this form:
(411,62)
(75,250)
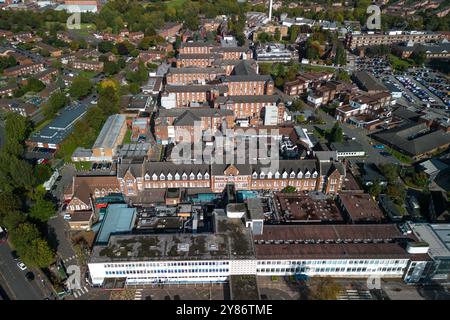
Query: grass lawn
(88,74)
(83,165)
(306,67)
(177,4)
(87,26)
(41,124)
(400,156)
(127,137)
(399,64)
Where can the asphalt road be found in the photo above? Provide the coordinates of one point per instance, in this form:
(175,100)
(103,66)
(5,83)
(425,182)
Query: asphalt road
(57,225)
(13,280)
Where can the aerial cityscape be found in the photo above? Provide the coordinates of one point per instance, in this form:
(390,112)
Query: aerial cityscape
(224,150)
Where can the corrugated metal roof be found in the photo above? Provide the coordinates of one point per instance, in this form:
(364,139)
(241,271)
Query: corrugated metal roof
(110,132)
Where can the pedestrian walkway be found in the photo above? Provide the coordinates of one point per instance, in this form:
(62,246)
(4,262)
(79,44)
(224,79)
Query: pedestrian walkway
(70,258)
(138,294)
(80,292)
(355,295)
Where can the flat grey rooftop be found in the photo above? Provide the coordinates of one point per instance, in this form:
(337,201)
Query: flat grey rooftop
(231,241)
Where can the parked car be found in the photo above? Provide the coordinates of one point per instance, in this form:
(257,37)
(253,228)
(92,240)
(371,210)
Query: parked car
(30,276)
(14,255)
(3,235)
(378,146)
(67,217)
(21,265)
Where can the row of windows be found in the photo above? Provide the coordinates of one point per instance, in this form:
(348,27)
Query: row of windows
(167,264)
(285,175)
(177,177)
(315,262)
(123,272)
(318,270)
(129,279)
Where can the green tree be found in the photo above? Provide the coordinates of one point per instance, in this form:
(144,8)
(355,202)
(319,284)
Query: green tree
(56,102)
(325,288)
(289,189)
(40,254)
(375,189)
(111,68)
(81,87)
(293,33)
(419,57)
(390,172)
(42,209)
(341,55)
(35,85)
(7,62)
(13,219)
(336,134)
(105,46)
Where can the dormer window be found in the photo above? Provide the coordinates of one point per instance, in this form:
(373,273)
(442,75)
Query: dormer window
(269,175)
(292,175)
(262,175)
(169,176)
(154,177)
(300,175)
(199,176)
(184,176)
(147,177)
(192,176)
(162,176)
(255,175)
(314,174)
(285,175)
(177,176)
(307,175)
(277,175)
(206,175)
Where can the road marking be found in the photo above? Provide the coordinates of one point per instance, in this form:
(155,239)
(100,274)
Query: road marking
(75,294)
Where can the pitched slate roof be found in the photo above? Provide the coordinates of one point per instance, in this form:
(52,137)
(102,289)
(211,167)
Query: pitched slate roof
(415,138)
